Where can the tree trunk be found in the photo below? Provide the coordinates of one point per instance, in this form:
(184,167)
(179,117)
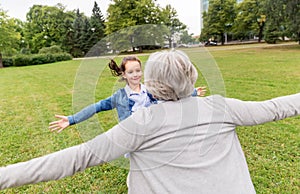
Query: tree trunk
(1,61)
(222,38)
(140,49)
(260,33)
(170,43)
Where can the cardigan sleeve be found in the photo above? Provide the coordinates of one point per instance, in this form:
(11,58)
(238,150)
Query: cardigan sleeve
(247,113)
(106,147)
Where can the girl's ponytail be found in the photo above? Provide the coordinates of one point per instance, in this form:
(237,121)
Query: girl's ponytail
(114,68)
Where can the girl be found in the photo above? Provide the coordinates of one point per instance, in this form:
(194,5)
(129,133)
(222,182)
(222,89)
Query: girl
(126,100)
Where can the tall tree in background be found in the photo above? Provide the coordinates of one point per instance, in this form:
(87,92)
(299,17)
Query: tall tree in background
(97,24)
(86,33)
(127,13)
(186,38)
(9,37)
(44,26)
(293,19)
(250,19)
(169,17)
(219,18)
(77,35)
(67,37)
(276,25)
(97,30)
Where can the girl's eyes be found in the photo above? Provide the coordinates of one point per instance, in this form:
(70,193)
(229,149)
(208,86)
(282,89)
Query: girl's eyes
(138,71)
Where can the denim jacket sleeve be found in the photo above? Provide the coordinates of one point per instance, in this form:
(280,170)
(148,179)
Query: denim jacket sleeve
(194,92)
(89,111)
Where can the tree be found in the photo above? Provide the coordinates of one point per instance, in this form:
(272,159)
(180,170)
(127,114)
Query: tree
(9,38)
(169,17)
(293,19)
(186,38)
(127,13)
(86,34)
(97,24)
(219,18)
(97,29)
(68,32)
(250,19)
(45,26)
(276,23)
(78,30)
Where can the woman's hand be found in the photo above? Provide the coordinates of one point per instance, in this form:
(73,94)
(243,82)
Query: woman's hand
(59,125)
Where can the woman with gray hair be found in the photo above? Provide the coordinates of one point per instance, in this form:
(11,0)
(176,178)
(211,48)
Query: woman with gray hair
(181,145)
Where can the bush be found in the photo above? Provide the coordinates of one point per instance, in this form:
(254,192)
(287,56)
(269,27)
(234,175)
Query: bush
(36,59)
(25,51)
(271,35)
(7,62)
(50,50)
(62,56)
(22,60)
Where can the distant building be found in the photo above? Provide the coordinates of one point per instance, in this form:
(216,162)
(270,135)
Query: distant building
(204,7)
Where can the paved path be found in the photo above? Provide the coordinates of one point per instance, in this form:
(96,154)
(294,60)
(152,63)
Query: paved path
(199,49)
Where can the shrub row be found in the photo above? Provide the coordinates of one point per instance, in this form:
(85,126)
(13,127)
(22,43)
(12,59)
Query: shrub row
(36,59)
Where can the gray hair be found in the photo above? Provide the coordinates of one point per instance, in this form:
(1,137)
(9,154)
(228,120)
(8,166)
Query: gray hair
(170,75)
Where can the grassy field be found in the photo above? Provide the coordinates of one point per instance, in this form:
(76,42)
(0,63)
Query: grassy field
(30,96)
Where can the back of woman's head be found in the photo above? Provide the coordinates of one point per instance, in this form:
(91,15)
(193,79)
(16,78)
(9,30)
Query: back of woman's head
(170,75)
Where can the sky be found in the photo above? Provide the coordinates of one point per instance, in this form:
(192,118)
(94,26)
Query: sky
(188,10)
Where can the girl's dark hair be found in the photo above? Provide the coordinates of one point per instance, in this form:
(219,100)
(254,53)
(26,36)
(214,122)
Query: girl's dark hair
(118,70)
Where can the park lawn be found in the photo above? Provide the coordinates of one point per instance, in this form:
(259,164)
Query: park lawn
(31,95)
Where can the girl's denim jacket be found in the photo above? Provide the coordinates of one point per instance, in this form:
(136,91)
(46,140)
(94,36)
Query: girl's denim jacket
(118,100)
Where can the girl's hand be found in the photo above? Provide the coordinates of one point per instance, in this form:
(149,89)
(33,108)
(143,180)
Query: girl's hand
(59,125)
(201,91)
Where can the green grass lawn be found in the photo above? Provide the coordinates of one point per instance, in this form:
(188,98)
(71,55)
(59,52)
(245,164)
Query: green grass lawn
(31,95)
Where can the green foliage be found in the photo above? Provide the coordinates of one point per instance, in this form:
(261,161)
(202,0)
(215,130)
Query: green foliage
(36,59)
(169,18)
(9,37)
(186,38)
(219,19)
(22,60)
(97,26)
(271,35)
(72,31)
(141,36)
(25,51)
(126,13)
(50,50)
(293,19)
(8,61)
(247,22)
(274,19)
(45,26)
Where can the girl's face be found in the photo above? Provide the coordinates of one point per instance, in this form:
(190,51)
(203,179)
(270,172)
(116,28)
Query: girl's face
(133,73)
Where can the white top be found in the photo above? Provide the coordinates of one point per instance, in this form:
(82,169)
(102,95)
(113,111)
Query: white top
(141,99)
